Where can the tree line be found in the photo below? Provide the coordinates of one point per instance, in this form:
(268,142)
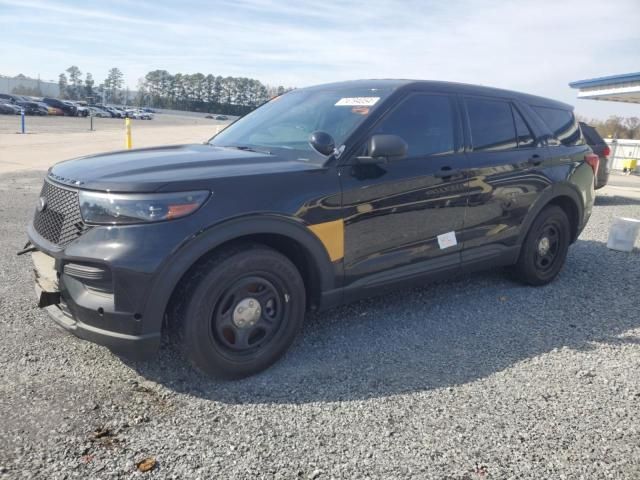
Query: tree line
(160,89)
(204,93)
(73,87)
(616,127)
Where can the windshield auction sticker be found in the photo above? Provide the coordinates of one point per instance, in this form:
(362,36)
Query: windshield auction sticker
(357,102)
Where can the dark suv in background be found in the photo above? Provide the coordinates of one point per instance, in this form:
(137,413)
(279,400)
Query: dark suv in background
(27,104)
(600,148)
(321,196)
(68,108)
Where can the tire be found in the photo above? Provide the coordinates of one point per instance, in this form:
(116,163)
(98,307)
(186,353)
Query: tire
(541,260)
(239,311)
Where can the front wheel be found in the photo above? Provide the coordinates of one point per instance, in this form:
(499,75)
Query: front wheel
(544,250)
(240,311)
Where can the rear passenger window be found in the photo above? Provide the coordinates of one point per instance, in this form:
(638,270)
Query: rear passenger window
(562,123)
(425,122)
(492,127)
(524,135)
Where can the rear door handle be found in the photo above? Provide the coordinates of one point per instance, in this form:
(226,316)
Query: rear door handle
(535,159)
(445,172)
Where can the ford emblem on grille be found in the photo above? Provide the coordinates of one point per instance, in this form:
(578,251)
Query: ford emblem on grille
(42,204)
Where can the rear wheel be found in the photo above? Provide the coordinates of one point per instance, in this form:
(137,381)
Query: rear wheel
(544,250)
(240,311)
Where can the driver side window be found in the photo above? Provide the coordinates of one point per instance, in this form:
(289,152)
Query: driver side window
(425,122)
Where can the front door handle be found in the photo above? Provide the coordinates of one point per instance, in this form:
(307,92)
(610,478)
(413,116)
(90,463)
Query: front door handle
(445,172)
(535,159)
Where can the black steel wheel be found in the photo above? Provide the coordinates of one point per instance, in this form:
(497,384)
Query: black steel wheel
(239,311)
(249,314)
(544,250)
(547,247)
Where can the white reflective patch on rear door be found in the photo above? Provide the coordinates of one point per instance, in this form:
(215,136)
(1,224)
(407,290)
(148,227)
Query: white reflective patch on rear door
(447,240)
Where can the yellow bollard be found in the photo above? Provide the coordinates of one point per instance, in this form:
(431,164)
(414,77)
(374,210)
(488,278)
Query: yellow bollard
(127,127)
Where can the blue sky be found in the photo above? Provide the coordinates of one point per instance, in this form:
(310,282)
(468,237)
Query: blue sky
(534,46)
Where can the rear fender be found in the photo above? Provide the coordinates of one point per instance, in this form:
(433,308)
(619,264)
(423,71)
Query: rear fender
(555,191)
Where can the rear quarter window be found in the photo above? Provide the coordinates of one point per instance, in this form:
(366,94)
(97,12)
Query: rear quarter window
(562,124)
(491,122)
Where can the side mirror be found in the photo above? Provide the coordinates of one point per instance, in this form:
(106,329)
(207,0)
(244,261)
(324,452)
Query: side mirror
(384,148)
(322,142)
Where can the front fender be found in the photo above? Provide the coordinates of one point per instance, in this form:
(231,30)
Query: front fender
(187,254)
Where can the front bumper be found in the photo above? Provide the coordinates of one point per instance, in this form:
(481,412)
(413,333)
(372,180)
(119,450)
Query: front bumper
(106,317)
(135,347)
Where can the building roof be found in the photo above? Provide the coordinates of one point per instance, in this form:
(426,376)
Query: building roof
(610,80)
(615,88)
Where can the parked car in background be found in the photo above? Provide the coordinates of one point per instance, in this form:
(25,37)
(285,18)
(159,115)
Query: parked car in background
(600,148)
(326,195)
(33,108)
(138,114)
(9,109)
(81,108)
(115,113)
(221,117)
(9,98)
(98,112)
(68,109)
(106,110)
(55,111)
(144,115)
(50,110)
(120,111)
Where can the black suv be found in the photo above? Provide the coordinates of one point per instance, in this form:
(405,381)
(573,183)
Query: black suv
(321,196)
(600,148)
(67,108)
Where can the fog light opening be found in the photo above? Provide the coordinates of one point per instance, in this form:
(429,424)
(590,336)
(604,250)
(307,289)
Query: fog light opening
(137,316)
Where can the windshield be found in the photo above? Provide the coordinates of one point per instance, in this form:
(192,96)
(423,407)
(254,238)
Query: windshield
(288,121)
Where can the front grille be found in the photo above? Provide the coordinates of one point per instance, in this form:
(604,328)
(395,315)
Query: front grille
(60,221)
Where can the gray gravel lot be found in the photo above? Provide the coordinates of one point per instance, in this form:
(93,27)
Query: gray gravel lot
(474,378)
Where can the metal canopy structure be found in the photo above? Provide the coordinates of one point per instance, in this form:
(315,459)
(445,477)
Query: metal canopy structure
(616,88)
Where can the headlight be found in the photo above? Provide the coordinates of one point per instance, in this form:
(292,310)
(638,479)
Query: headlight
(117,209)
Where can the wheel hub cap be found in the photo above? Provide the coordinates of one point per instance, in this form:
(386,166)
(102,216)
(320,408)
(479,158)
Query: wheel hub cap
(247,313)
(543,246)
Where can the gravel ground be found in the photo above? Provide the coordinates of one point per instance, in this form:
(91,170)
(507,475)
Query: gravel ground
(474,378)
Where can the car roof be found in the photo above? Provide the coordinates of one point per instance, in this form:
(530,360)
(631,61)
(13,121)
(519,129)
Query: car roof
(446,87)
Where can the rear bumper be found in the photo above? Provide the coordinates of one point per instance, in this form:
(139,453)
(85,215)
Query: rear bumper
(602,178)
(135,347)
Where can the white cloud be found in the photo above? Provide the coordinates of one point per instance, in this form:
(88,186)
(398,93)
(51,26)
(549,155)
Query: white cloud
(535,46)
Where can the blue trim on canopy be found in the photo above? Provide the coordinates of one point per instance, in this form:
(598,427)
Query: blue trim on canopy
(602,81)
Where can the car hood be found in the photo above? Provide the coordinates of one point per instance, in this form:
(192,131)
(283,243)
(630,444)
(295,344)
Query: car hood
(176,167)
